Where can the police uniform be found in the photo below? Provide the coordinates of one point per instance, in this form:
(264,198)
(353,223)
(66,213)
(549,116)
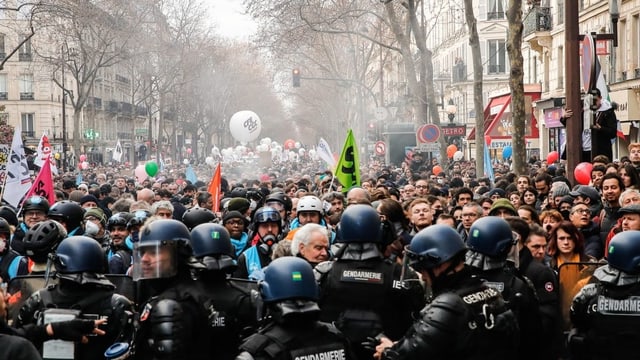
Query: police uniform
(96,301)
(362,293)
(605,316)
(466,320)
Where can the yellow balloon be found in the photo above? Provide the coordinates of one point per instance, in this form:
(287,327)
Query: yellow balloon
(57,156)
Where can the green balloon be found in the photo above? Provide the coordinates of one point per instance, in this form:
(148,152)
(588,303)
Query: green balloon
(151,168)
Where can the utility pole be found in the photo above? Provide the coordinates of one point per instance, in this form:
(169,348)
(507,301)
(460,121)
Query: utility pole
(573,147)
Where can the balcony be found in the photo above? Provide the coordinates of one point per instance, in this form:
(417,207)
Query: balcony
(29,134)
(459,73)
(26,96)
(126,108)
(25,57)
(141,110)
(636,73)
(537,27)
(3,55)
(4,95)
(112,107)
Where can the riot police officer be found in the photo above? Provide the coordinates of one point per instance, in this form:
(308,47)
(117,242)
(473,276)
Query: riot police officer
(491,244)
(171,320)
(12,264)
(466,320)
(69,214)
(290,293)
(230,311)
(196,216)
(361,291)
(605,312)
(119,254)
(83,292)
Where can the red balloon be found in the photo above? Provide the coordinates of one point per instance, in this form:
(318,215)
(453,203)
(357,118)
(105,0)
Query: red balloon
(289,144)
(487,139)
(552,157)
(582,173)
(451,150)
(436,170)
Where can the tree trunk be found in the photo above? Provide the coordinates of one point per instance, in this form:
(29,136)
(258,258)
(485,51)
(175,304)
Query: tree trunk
(474,42)
(518,113)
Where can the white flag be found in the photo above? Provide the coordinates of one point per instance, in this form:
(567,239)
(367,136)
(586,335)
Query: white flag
(117,152)
(324,152)
(44,154)
(18,179)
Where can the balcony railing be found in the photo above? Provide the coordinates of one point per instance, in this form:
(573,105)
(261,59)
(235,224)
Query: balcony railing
(4,95)
(538,19)
(26,96)
(29,134)
(459,73)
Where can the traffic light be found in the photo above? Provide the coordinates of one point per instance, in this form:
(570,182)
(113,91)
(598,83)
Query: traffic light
(296,77)
(372,132)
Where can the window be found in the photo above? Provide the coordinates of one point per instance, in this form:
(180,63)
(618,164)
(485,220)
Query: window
(27,121)
(25,50)
(3,86)
(26,87)
(3,54)
(560,57)
(497,57)
(495,10)
(560,8)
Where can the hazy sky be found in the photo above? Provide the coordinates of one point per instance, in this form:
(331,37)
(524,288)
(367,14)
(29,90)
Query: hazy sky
(229,20)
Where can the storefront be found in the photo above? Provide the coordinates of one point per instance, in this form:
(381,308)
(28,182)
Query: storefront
(628,113)
(499,123)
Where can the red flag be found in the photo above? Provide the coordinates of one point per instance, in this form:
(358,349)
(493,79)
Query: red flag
(215,189)
(43,185)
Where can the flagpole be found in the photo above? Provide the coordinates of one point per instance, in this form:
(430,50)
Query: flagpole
(4,183)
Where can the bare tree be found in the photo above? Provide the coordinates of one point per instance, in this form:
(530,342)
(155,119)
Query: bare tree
(474,42)
(514,49)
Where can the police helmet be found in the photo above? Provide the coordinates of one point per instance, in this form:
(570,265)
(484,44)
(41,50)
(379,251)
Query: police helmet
(35,202)
(310,203)
(288,278)
(196,216)
(5,228)
(119,219)
(67,212)
(211,243)
(138,218)
(79,254)
(360,224)
(238,192)
(434,246)
(624,252)
(42,239)
(491,236)
(281,198)
(167,236)
(9,213)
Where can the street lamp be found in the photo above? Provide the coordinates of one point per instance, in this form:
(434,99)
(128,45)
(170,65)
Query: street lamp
(451,110)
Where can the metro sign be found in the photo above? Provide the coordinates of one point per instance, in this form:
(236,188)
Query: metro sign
(453,130)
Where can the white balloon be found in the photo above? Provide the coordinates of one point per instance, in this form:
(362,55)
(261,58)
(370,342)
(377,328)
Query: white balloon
(209,160)
(312,152)
(185,161)
(215,151)
(274,144)
(297,145)
(245,126)
(458,155)
(301,152)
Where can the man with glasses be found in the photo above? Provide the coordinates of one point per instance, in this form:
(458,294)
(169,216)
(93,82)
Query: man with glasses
(236,224)
(422,188)
(581,217)
(409,192)
(34,210)
(470,213)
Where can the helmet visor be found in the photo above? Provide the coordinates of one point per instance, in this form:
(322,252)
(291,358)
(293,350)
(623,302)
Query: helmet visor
(267,216)
(420,262)
(154,261)
(276,205)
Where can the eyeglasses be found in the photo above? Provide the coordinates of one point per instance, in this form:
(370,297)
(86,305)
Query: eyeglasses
(234,222)
(422,186)
(581,211)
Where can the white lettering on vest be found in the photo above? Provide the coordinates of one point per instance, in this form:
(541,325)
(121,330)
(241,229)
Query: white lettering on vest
(327,355)
(362,276)
(480,296)
(629,306)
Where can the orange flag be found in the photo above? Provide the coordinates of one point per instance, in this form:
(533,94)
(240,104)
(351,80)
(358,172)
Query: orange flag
(43,185)
(215,189)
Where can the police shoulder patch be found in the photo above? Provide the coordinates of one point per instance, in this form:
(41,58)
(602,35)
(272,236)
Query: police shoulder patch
(548,286)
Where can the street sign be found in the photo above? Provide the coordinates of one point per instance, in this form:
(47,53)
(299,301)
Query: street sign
(381,113)
(428,147)
(454,130)
(381,148)
(428,133)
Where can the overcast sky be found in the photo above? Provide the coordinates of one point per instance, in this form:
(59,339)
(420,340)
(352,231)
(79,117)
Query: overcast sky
(229,20)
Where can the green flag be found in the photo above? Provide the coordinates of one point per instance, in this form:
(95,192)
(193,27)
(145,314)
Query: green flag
(348,168)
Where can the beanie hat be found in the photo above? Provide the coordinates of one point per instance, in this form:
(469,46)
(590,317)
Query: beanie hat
(502,204)
(234,215)
(559,188)
(89,198)
(238,204)
(97,213)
